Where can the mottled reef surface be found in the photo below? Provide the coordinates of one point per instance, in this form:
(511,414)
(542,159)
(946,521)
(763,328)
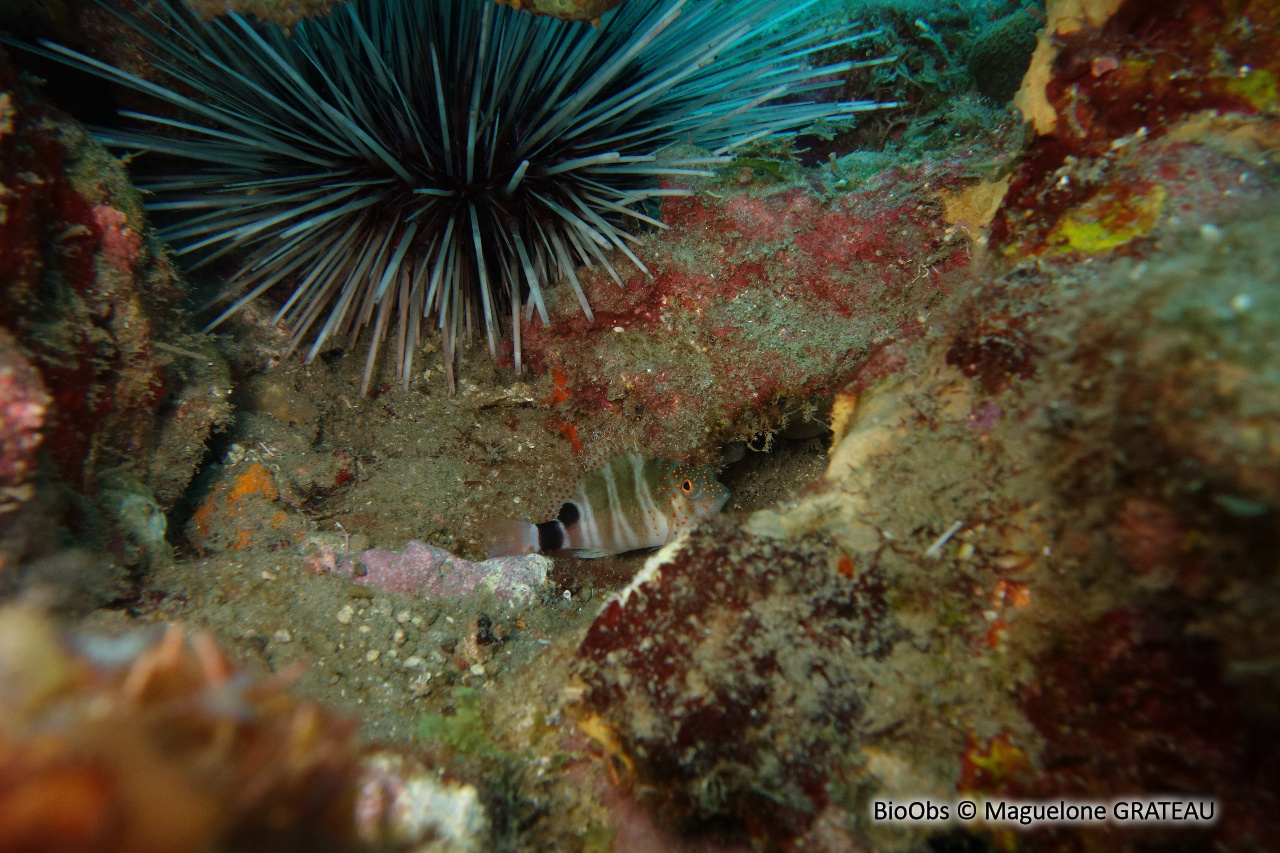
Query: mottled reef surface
(999,407)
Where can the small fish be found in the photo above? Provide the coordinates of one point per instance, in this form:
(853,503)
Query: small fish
(627,501)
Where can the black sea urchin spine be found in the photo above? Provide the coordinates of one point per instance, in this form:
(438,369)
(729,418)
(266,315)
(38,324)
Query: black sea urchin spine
(404,161)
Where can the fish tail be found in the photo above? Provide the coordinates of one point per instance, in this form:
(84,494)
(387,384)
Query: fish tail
(506,536)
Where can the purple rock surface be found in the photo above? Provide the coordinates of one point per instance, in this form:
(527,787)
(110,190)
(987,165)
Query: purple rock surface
(430,572)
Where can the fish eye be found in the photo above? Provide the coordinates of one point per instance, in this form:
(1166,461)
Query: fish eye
(687,486)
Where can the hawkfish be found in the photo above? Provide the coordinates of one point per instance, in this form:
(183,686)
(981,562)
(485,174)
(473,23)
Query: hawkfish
(625,502)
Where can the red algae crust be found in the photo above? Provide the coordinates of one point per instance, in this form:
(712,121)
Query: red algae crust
(759,295)
(733,665)
(1107,75)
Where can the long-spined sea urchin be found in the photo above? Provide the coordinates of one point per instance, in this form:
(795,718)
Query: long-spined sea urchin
(451,158)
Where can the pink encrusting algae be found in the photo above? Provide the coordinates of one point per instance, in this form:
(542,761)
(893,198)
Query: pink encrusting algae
(23,403)
(120,243)
(425,571)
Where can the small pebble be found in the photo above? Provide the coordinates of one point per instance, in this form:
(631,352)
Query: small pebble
(477,669)
(413,662)
(346,614)
(365,629)
(281,636)
(398,637)
(372,655)
(403,616)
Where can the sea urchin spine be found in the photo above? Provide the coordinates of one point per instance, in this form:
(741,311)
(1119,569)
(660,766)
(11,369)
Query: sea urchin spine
(447,159)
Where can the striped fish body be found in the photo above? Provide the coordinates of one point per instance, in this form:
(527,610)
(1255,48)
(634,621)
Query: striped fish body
(627,502)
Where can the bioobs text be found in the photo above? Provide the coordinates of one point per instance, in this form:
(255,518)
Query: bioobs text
(925,811)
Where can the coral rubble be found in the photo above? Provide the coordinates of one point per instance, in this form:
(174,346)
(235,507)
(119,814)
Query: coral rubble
(403,802)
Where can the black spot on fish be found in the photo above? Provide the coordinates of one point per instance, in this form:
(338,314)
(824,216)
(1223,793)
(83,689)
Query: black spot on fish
(569,514)
(550,536)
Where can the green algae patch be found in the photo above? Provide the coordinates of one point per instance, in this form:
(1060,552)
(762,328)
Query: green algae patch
(1112,217)
(598,839)
(464,730)
(1258,87)
(770,167)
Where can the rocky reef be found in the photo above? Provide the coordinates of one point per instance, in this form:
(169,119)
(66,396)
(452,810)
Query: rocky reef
(95,308)
(1021,575)
(1003,525)
(1040,562)
(25,404)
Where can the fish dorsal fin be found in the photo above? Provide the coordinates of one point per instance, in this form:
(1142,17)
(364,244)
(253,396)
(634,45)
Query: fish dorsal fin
(593,459)
(568,487)
(604,450)
(556,497)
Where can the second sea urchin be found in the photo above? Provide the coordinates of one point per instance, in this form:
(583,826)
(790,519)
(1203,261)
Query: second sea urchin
(401,161)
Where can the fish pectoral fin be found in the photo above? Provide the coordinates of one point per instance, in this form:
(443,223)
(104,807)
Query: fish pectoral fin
(591,553)
(505,537)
